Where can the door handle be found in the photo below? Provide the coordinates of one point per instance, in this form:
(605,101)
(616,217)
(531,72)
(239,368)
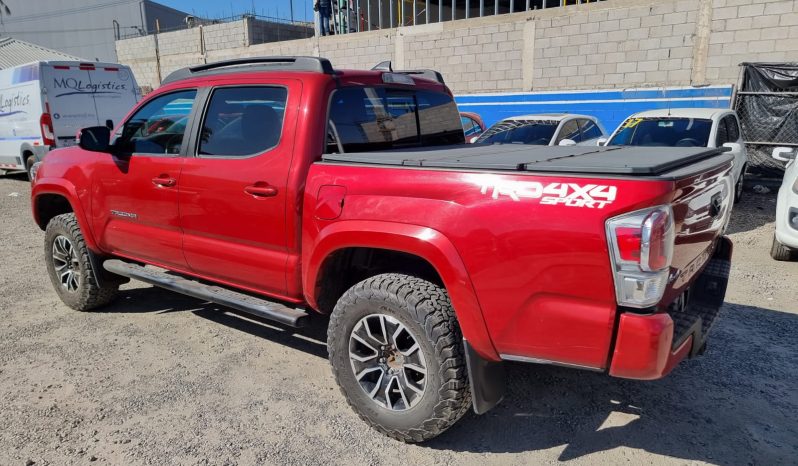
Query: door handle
(261,190)
(165,181)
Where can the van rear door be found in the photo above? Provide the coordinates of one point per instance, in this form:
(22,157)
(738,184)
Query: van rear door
(86,94)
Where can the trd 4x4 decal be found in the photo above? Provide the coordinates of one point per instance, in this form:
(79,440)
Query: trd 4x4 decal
(592,196)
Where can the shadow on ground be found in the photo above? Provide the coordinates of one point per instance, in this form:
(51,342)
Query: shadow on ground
(719,408)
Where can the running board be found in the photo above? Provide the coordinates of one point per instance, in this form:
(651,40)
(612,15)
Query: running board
(215,294)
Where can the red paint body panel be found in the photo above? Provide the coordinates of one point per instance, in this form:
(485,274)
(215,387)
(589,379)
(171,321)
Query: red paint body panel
(526,279)
(643,348)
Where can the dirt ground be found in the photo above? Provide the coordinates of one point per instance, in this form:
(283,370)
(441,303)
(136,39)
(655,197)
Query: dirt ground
(158,378)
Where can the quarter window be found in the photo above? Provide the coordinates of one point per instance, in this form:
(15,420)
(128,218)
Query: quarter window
(569,130)
(723,133)
(158,127)
(590,130)
(733,128)
(242,121)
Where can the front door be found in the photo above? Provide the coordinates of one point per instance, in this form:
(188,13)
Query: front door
(134,198)
(233,190)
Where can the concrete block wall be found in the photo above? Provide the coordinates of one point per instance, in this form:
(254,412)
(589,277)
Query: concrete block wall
(611,44)
(223,36)
(750,30)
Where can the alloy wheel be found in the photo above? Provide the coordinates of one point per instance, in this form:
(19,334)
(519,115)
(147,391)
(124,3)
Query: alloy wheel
(66,263)
(388,362)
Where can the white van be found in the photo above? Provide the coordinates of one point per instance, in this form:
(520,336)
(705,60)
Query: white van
(43,105)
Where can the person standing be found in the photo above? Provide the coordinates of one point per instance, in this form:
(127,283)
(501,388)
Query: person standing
(324,7)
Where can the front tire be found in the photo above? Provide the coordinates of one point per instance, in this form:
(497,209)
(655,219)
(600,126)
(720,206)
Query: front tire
(397,354)
(70,268)
(779,251)
(738,188)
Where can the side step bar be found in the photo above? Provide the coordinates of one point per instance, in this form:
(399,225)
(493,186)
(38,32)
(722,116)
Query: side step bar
(215,294)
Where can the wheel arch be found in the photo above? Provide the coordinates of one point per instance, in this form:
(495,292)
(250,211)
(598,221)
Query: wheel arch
(52,198)
(424,248)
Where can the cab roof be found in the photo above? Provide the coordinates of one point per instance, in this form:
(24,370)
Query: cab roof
(548,117)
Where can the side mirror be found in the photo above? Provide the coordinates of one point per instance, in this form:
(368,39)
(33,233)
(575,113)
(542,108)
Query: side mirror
(473,139)
(602,141)
(734,147)
(109,124)
(95,139)
(567,142)
(784,154)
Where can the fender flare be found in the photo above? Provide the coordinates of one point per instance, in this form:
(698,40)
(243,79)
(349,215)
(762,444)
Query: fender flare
(426,243)
(65,189)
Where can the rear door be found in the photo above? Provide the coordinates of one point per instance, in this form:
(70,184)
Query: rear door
(86,94)
(233,187)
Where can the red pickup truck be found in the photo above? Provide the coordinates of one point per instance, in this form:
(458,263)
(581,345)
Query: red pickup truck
(282,187)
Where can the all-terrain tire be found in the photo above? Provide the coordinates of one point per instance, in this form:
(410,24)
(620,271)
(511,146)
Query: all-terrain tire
(779,251)
(426,311)
(88,293)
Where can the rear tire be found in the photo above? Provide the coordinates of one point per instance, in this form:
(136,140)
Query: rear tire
(406,323)
(779,251)
(29,161)
(70,268)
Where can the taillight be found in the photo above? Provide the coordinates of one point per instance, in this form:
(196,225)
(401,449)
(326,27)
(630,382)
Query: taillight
(641,245)
(48,135)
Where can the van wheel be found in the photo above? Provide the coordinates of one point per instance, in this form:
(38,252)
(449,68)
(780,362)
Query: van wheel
(779,251)
(29,166)
(397,354)
(69,266)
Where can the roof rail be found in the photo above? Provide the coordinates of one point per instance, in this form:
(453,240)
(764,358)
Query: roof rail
(426,74)
(315,64)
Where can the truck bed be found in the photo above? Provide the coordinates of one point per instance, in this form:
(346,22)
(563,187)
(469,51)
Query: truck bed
(664,162)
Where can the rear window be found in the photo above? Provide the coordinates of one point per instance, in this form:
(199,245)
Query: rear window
(520,132)
(663,132)
(373,119)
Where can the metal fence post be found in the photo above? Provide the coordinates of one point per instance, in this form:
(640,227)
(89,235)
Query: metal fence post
(426,12)
(414,12)
(440,10)
(468,9)
(481,8)
(496,7)
(454,10)
(390,13)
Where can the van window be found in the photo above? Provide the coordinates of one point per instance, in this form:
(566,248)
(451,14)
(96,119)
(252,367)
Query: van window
(243,121)
(158,126)
(372,119)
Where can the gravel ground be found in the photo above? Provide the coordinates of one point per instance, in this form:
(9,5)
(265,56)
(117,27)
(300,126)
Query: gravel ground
(158,378)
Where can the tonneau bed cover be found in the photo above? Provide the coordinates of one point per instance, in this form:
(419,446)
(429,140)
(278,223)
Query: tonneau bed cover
(613,160)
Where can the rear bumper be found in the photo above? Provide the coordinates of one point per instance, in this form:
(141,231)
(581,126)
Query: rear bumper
(648,347)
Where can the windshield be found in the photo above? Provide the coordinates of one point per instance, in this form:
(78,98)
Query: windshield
(520,132)
(663,132)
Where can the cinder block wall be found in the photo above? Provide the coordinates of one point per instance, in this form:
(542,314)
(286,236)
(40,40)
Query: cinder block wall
(612,44)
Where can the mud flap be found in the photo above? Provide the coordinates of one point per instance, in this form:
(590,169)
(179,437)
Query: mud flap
(486,378)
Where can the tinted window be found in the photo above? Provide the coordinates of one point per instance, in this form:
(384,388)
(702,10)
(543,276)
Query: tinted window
(722,136)
(590,130)
(369,118)
(243,121)
(733,128)
(158,126)
(569,130)
(663,132)
(520,132)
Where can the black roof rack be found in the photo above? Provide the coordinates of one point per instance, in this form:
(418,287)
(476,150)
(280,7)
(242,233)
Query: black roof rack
(426,74)
(315,64)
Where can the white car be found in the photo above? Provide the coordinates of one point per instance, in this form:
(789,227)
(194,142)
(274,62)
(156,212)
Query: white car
(785,241)
(687,127)
(556,129)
